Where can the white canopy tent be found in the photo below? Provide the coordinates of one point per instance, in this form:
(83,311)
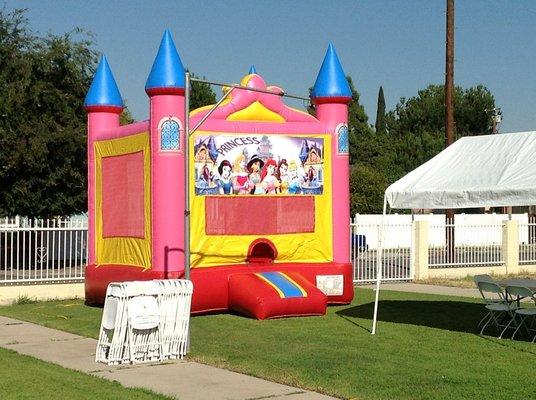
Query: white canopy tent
(475,171)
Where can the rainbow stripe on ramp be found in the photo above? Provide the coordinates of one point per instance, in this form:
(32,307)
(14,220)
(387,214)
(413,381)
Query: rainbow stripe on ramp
(283,284)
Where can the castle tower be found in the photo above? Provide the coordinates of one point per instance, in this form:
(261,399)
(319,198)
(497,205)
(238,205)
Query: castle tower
(165,88)
(331,95)
(104,106)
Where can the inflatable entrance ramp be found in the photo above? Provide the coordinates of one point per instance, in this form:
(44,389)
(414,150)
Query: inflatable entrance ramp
(273,294)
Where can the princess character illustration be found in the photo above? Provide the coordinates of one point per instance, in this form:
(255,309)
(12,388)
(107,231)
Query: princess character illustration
(279,165)
(254,166)
(282,175)
(224,182)
(240,179)
(269,182)
(294,181)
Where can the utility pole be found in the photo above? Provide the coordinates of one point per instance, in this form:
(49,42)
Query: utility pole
(449,117)
(496,118)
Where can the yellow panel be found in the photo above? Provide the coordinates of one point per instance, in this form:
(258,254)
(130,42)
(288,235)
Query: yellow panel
(214,250)
(256,112)
(209,107)
(123,250)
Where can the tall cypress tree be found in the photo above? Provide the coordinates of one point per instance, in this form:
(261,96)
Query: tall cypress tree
(380,113)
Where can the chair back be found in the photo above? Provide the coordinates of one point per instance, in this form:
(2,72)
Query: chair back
(483,278)
(491,292)
(520,291)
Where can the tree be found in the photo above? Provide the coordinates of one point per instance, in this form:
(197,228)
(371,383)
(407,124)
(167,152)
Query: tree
(201,94)
(358,127)
(414,134)
(380,113)
(470,115)
(126,117)
(426,112)
(43,81)
(417,125)
(371,159)
(412,150)
(370,156)
(367,186)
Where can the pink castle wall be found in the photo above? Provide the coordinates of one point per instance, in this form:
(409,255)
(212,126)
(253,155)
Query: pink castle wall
(333,114)
(168,189)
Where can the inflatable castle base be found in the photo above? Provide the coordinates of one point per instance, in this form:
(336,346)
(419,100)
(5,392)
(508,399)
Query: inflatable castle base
(257,289)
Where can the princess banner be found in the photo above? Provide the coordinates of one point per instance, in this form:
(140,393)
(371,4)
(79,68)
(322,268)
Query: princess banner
(258,165)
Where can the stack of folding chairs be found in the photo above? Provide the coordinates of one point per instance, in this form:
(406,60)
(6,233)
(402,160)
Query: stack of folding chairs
(145,321)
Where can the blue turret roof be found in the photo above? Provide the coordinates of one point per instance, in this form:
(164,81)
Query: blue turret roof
(167,70)
(103,90)
(252,70)
(331,80)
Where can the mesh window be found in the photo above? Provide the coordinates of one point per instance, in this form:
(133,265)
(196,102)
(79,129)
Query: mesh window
(266,215)
(123,196)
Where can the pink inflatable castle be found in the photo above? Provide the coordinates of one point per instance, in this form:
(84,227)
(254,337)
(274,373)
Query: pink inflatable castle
(268,192)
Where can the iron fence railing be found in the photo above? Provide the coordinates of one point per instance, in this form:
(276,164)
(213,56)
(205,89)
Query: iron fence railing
(42,250)
(527,241)
(466,244)
(396,256)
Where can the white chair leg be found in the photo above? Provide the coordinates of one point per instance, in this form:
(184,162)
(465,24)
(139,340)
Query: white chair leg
(490,319)
(522,322)
(508,325)
(485,318)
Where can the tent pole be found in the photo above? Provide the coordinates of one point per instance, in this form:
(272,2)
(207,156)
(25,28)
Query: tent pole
(379,266)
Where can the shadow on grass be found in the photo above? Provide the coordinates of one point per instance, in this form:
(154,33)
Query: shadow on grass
(449,315)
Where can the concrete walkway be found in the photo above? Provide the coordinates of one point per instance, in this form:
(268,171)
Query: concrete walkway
(429,289)
(185,380)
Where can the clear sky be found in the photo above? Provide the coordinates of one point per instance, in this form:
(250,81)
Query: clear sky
(397,44)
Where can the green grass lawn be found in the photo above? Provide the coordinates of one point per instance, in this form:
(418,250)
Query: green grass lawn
(426,347)
(26,377)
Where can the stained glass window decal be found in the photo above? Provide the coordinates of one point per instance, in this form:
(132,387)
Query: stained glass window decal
(342,139)
(169,135)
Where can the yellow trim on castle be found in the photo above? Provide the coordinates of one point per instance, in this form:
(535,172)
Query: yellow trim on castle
(256,112)
(123,250)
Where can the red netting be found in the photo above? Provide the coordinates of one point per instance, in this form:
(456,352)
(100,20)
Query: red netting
(123,196)
(266,215)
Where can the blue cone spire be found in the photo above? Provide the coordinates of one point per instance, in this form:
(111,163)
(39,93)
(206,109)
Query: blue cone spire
(103,90)
(331,80)
(167,71)
(252,70)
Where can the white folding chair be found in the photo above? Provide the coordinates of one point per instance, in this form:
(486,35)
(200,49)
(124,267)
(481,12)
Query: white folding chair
(111,345)
(483,278)
(143,333)
(523,312)
(498,306)
(145,321)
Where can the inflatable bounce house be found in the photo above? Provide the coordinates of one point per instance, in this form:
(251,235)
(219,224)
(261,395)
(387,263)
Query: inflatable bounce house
(268,192)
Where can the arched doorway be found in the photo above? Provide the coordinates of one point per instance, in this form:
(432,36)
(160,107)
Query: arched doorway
(261,251)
